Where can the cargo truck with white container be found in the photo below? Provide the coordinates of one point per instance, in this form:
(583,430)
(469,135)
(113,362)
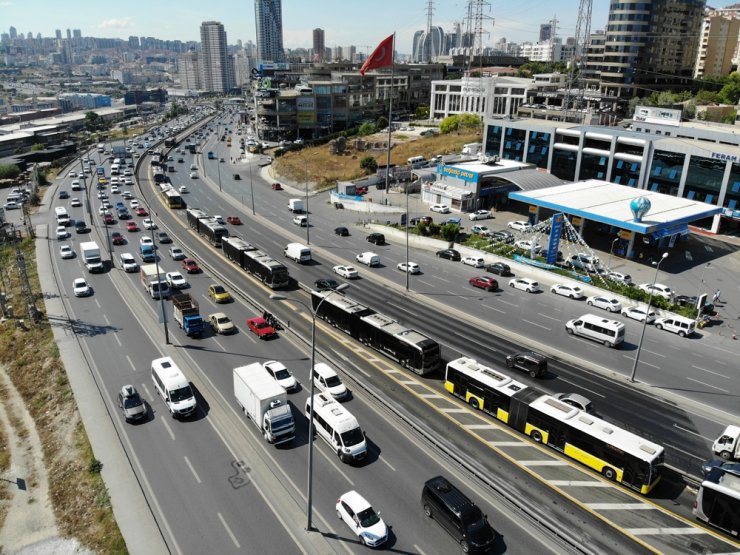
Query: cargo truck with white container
(91,257)
(296,206)
(265,402)
(153,281)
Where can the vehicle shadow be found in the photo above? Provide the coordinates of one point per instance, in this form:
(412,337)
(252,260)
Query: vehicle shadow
(203,408)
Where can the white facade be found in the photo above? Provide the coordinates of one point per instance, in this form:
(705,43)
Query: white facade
(484,96)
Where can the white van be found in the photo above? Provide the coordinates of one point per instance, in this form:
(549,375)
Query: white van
(472,148)
(598,328)
(193,167)
(336,425)
(328,381)
(677,324)
(62,216)
(173,387)
(298,253)
(368,258)
(417,162)
(114,169)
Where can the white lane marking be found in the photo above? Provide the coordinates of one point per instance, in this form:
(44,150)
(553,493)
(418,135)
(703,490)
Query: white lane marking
(724,350)
(480,427)
(654,353)
(536,324)
(105,316)
(706,384)
(665,531)
(496,309)
(710,372)
(115,336)
(641,362)
(431,396)
(131,362)
(685,452)
(618,506)
(581,483)
(217,342)
(167,426)
(389,465)
(584,388)
(692,433)
(98,304)
(441,279)
(228,530)
(549,317)
(192,469)
(720,362)
(419,549)
(454,410)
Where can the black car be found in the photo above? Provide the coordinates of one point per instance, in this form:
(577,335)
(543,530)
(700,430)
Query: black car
(81,226)
(162,237)
(502,236)
(63,194)
(728,466)
(498,268)
(325,284)
(180,160)
(341,231)
(449,254)
(376,238)
(237,177)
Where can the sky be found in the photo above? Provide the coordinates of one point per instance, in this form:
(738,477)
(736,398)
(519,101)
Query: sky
(363,23)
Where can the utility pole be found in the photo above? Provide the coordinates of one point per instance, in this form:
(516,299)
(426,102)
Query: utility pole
(27,292)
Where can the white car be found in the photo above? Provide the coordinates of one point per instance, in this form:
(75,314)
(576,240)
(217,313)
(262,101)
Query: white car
(72,174)
(281,374)
(175,280)
(639,313)
(474,261)
(657,289)
(134,204)
(128,263)
(566,290)
(348,272)
(410,267)
(193,175)
(75,202)
(128,181)
(525,284)
(62,232)
(148,223)
(441,208)
(11,205)
(102,195)
(528,246)
(144,240)
(219,219)
(114,190)
(480,215)
(619,277)
(362,519)
(66,251)
(519,225)
(127,195)
(480,230)
(182,189)
(103,210)
(610,304)
(81,288)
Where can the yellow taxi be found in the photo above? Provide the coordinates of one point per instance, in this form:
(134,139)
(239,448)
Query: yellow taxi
(219,294)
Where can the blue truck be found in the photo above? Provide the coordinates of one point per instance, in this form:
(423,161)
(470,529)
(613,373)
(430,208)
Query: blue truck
(186,314)
(147,253)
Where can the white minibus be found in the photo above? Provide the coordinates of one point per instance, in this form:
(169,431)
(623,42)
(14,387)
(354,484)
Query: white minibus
(606,331)
(335,425)
(174,388)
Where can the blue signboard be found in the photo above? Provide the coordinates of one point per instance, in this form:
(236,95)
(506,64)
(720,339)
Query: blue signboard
(459,173)
(555,230)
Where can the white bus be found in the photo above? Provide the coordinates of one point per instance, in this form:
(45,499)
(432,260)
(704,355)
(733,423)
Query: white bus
(598,328)
(337,427)
(718,501)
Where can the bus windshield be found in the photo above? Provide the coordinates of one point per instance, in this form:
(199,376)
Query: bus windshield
(352,437)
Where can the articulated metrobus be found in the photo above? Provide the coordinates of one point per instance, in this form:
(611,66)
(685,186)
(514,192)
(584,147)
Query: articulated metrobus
(172,198)
(718,501)
(617,454)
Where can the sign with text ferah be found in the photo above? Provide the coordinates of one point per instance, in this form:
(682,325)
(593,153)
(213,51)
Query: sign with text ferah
(555,230)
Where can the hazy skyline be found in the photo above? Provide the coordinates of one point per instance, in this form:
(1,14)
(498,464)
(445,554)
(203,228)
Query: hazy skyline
(345,22)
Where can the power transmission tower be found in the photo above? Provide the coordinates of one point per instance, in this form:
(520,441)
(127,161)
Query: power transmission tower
(20,260)
(580,56)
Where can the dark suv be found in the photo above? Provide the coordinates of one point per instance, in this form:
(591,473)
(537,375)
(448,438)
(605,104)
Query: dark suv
(457,515)
(533,363)
(376,238)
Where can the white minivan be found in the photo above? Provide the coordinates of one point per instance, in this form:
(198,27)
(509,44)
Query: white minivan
(338,427)
(174,388)
(677,324)
(298,253)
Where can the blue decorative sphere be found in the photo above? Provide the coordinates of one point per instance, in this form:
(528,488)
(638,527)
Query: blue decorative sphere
(640,206)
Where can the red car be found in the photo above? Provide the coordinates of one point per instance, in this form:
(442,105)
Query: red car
(141,211)
(234,220)
(131,226)
(260,326)
(117,238)
(190,266)
(484,282)
(108,219)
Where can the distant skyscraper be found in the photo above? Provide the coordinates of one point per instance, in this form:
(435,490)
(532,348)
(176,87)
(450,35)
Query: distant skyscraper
(268,20)
(545,31)
(318,45)
(76,33)
(428,45)
(58,33)
(217,75)
(190,73)
(13,32)
(69,34)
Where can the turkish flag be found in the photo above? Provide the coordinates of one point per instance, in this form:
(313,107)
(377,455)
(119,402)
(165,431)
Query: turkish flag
(382,56)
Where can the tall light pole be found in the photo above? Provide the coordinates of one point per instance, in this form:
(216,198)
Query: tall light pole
(611,250)
(406,186)
(308,221)
(309,488)
(251,187)
(647,313)
(159,280)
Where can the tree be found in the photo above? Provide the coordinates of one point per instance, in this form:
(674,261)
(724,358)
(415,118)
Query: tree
(369,164)
(9,171)
(449,231)
(422,112)
(37,146)
(382,123)
(366,129)
(94,122)
(730,93)
(461,122)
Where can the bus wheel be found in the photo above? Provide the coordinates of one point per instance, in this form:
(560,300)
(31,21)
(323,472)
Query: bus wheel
(537,436)
(474,403)
(606,343)
(609,473)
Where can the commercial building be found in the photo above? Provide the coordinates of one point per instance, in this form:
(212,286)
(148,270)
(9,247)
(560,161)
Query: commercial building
(268,21)
(76,101)
(717,45)
(483,96)
(319,49)
(217,67)
(658,153)
(189,71)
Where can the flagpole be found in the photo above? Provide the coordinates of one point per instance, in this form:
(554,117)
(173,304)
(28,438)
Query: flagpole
(390,120)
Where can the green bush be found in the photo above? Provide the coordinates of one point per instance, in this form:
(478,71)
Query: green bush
(449,231)
(369,164)
(366,129)
(9,171)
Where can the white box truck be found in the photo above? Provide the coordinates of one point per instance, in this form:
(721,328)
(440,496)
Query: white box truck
(91,257)
(298,253)
(151,284)
(727,445)
(295,205)
(265,402)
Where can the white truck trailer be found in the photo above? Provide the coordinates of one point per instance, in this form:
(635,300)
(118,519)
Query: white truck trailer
(91,257)
(265,402)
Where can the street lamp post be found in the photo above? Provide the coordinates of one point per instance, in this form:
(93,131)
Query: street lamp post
(251,187)
(611,250)
(308,221)
(309,488)
(159,280)
(406,186)
(647,313)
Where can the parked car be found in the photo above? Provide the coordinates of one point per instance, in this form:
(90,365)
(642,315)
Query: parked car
(639,313)
(525,284)
(484,282)
(605,302)
(528,246)
(481,230)
(658,289)
(441,208)
(567,290)
(480,215)
(619,277)
(498,268)
(449,254)
(519,225)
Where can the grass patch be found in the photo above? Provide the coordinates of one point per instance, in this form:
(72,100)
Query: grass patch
(79,497)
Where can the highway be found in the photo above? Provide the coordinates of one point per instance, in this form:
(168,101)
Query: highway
(212,483)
